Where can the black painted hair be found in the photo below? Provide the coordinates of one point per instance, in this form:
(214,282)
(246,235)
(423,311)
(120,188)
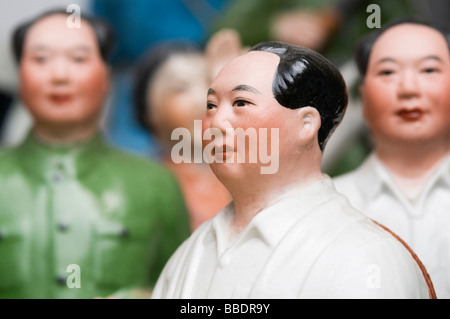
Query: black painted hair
(305,78)
(103,31)
(363,46)
(146,69)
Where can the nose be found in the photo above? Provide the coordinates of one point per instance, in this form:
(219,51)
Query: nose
(59,71)
(408,85)
(221,118)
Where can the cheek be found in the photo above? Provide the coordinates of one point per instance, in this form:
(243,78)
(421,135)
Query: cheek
(440,108)
(205,126)
(176,111)
(30,83)
(438,95)
(93,85)
(376,106)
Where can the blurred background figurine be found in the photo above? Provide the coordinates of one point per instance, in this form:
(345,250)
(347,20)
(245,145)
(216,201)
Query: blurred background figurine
(405,182)
(139,25)
(170,93)
(78,218)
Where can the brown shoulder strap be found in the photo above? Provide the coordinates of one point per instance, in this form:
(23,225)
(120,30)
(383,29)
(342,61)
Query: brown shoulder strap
(431,291)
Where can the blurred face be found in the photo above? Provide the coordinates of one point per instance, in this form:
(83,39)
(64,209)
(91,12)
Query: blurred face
(241,97)
(63,79)
(177,94)
(406,91)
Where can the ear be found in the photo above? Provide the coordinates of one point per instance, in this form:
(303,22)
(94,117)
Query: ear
(309,118)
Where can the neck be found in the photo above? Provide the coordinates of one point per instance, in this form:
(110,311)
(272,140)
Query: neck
(252,196)
(412,161)
(65,134)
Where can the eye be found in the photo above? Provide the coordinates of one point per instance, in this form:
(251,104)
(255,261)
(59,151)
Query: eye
(430,70)
(242,103)
(386,72)
(40,59)
(79,59)
(210,106)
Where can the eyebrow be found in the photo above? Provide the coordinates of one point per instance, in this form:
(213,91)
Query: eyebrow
(432,57)
(241,87)
(40,47)
(428,57)
(247,88)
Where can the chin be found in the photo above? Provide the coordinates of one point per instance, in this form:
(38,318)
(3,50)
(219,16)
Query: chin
(235,173)
(409,139)
(65,120)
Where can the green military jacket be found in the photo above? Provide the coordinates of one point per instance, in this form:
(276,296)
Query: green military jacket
(84,221)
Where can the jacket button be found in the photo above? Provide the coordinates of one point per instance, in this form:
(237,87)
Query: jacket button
(57,177)
(63,227)
(124,233)
(61,280)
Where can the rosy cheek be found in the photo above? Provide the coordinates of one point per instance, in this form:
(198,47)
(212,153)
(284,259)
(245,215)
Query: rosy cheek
(206,131)
(206,123)
(30,90)
(31,77)
(177,117)
(93,84)
(374,101)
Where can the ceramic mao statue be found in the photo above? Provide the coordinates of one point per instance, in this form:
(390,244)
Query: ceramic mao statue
(78,218)
(405,183)
(287,233)
(170,85)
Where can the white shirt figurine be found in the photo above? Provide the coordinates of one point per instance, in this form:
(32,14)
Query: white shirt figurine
(309,244)
(405,183)
(287,232)
(422,222)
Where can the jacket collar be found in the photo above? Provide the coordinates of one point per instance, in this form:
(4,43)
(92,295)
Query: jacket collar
(46,161)
(373,178)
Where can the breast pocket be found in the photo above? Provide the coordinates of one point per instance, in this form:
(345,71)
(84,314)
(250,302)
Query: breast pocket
(13,256)
(120,254)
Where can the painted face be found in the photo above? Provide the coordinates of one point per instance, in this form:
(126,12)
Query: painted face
(241,98)
(406,91)
(63,79)
(177,94)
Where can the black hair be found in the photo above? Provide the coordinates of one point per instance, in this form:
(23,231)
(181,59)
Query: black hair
(363,46)
(103,31)
(146,69)
(306,78)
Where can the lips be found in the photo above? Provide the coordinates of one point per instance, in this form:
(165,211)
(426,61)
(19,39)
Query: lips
(61,99)
(223,152)
(413,114)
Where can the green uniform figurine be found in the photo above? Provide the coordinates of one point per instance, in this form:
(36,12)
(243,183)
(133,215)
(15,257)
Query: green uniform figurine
(78,218)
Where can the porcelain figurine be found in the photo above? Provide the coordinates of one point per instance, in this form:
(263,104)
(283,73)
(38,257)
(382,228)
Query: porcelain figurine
(287,233)
(78,218)
(405,183)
